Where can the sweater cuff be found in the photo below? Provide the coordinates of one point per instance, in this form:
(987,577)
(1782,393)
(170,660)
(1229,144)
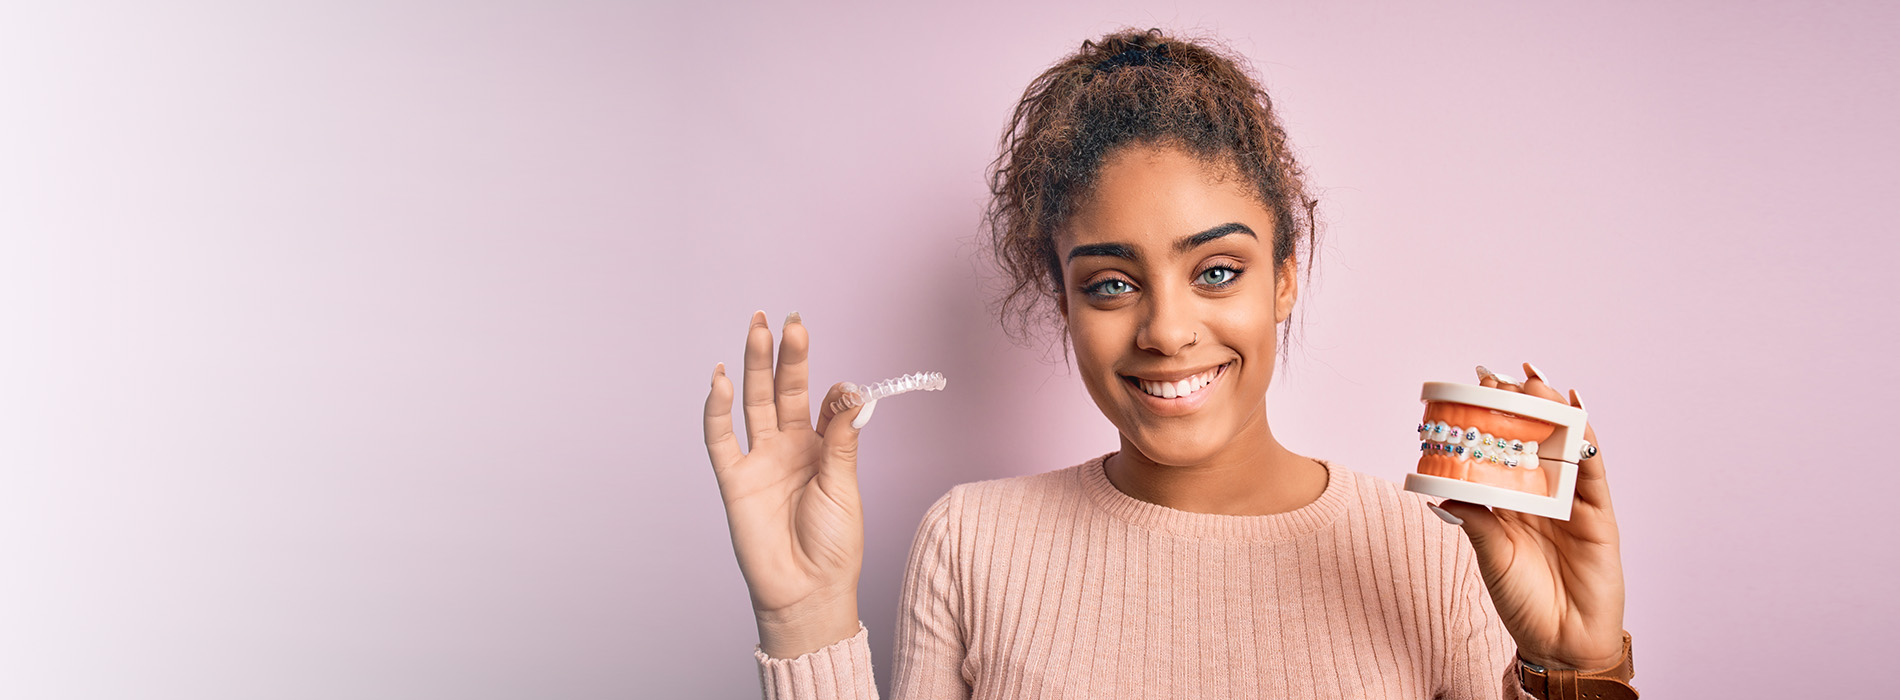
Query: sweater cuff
(841,671)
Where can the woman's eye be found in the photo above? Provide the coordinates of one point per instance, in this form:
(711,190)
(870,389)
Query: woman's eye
(1219,276)
(1101,289)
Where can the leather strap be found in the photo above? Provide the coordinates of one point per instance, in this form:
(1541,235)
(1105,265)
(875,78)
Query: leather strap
(1569,684)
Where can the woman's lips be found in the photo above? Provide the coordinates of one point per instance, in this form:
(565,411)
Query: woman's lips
(1179,405)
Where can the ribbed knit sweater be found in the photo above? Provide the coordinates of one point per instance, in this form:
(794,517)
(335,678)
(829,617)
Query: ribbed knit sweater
(1060,585)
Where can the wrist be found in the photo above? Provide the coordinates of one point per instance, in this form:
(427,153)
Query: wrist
(1580,666)
(1611,682)
(803,628)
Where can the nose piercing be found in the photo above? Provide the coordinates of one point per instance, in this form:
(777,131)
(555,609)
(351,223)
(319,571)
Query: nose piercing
(1197,338)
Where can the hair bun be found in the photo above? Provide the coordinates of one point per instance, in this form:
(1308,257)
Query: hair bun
(1137,55)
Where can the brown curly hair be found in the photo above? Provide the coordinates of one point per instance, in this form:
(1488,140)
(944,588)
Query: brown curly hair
(1130,87)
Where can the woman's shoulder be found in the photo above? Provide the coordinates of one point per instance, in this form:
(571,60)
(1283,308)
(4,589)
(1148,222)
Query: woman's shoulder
(1385,511)
(1028,487)
(1015,497)
(1376,494)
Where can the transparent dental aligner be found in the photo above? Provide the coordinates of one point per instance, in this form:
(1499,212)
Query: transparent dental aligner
(856,395)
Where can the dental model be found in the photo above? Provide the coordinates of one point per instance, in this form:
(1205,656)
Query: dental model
(1498,448)
(856,395)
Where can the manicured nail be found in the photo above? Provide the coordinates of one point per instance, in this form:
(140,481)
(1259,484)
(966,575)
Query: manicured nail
(758,318)
(864,416)
(719,370)
(1576,400)
(1446,516)
(1501,377)
(1531,370)
(792,318)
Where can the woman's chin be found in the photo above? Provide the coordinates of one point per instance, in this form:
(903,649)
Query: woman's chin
(1191,447)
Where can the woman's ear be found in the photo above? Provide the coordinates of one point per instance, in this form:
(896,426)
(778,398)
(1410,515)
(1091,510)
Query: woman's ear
(1286,290)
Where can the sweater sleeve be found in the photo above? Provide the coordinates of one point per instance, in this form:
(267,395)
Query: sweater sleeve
(930,631)
(929,649)
(1488,649)
(841,671)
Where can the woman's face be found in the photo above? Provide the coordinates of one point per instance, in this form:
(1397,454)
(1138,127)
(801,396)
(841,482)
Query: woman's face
(1165,250)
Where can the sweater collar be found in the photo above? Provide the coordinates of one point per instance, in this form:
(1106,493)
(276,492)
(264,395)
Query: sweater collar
(1280,526)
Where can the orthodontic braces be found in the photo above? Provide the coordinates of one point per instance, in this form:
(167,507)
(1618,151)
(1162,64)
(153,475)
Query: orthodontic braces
(1469,443)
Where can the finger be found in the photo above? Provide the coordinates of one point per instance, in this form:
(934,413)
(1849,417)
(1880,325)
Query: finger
(1486,533)
(1497,381)
(794,402)
(761,414)
(829,409)
(721,445)
(841,444)
(1536,386)
(1486,378)
(1593,484)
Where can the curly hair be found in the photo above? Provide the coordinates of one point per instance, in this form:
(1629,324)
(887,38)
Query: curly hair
(1131,87)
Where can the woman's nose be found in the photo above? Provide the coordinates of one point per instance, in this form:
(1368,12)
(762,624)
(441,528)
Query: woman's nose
(1170,326)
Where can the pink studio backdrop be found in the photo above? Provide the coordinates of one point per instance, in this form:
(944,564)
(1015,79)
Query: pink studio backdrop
(359,351)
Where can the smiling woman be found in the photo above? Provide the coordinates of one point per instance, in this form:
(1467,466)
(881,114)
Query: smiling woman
(1147,200)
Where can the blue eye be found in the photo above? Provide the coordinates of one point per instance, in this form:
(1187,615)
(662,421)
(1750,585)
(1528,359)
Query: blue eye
(1097,289)
(1228,275)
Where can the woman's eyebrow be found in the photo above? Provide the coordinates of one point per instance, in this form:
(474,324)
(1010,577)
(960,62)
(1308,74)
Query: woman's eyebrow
(1187,243)
(1191,242)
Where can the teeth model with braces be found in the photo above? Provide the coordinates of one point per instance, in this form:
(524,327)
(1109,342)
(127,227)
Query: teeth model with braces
(857,395)
(1460,461)
(1470,443)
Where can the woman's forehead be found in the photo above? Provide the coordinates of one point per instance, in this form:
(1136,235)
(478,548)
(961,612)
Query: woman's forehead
(1154,196)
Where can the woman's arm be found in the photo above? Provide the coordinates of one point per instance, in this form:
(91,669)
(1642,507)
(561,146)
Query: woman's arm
(930,633)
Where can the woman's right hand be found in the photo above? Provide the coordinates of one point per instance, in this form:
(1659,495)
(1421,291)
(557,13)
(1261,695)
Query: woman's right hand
(792,501)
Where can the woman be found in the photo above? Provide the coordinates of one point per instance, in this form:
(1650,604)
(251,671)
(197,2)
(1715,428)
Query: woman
(1147,192)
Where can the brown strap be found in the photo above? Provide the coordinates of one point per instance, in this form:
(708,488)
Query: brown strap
(1568,684)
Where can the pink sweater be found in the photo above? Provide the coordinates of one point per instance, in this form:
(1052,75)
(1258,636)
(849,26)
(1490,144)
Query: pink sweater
(1059,585)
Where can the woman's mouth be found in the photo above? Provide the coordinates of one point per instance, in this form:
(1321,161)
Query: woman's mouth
(1177,397)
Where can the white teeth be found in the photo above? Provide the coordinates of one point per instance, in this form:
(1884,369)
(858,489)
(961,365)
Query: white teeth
(1480,439)
(1530,454)
(1169,390)
(1457,435)
(1438,431)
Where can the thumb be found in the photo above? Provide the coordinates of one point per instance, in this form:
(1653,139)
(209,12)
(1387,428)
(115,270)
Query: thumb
(1485,531)
(841,441)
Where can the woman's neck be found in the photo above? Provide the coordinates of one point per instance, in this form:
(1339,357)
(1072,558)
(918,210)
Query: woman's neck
(1253,474)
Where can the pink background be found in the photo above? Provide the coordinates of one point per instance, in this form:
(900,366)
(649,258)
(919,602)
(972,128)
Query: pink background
(359,352)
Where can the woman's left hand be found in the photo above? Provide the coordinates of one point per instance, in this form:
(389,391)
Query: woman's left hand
(1557,584)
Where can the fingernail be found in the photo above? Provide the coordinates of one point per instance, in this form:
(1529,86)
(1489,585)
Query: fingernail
(1446,516)
(719,370)
(1532,370)
(1576,400)
(1501,377)
(758,317)
(792,318)
(864,416)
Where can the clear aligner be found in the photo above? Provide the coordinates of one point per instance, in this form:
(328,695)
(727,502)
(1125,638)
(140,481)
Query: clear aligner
(856,395)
